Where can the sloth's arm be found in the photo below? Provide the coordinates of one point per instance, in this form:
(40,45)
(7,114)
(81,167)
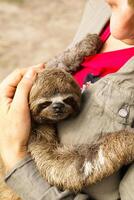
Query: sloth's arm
(78,166)
(26,181)
(71,59)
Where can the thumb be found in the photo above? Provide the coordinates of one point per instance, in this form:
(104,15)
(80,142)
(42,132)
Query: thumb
(20,99)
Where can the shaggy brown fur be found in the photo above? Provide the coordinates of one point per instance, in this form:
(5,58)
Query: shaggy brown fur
(131,3)
(86,163)
(54,97)
(71,58)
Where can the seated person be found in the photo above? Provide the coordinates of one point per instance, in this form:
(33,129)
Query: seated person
(119,48)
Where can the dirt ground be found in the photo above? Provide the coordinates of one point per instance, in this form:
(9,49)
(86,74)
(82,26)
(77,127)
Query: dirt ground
(33,31)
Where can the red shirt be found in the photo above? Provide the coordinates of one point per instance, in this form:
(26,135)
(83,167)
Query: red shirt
(105,63)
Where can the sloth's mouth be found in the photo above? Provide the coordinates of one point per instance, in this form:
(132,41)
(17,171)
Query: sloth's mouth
(59,112)
(60,115)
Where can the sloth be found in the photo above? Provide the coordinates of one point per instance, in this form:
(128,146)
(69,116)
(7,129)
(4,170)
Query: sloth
(55,96)
(58,163)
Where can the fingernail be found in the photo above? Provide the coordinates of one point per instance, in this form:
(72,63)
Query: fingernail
(30,74)
(41,65)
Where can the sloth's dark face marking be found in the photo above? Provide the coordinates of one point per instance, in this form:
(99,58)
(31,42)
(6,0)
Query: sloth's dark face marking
(56,109)
(54,97)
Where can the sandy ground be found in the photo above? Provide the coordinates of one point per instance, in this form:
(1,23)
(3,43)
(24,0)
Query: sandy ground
(31,31)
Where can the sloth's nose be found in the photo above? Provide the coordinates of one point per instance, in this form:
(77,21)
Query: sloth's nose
(58,107)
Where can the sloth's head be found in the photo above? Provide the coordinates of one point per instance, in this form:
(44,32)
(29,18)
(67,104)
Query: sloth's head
(54,96)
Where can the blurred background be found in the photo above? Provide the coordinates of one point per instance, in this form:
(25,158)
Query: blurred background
(32,31)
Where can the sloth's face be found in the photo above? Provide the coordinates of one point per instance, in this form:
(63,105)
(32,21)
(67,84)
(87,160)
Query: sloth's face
(56,108)
(54,96)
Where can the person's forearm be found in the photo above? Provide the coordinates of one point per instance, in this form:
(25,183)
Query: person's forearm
(26,181)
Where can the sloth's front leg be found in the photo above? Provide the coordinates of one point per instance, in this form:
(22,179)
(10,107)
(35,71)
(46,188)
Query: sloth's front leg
(57,163)
(78,166)
(71,59)
(108,155)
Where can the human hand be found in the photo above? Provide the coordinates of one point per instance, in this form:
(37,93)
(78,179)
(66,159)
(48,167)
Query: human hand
(15,121)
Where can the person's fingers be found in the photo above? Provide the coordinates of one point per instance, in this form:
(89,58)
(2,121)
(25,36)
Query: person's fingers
(20,100)
(5,105)
(38,67)
(16,75)
(8,86)
(13,79)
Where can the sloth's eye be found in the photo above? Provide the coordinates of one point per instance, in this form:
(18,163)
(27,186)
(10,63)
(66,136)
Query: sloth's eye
(45,104)
(70,101)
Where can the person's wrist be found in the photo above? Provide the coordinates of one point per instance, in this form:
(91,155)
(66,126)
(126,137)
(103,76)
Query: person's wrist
(17,158)
(11,158)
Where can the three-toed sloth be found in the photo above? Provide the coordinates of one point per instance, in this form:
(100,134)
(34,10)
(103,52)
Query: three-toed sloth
(56,96)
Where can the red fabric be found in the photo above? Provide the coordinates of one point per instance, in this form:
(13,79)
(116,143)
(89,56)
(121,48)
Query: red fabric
(105,63)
